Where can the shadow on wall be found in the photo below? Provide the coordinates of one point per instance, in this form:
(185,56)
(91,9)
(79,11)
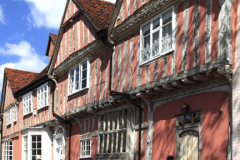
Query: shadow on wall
(214,130)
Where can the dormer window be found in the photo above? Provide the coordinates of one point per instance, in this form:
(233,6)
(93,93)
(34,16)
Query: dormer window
(42,96)
(156,36)
(78,77)
(27,103)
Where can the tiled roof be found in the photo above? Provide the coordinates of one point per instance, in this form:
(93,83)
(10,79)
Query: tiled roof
(19,79)
(99,12)
(53,36)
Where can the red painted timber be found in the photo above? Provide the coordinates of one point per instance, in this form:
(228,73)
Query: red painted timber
(202,23)
(104,68)
(214,31)
(116,67)
(134,61)
(169,65)
(179,38)
(160,68)
(93,77)
(190,35)
(98,76)
(143,75)
(127,63)
(121,71)
(151,72)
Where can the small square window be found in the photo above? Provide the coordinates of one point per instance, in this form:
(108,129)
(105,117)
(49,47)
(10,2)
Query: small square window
(85,148)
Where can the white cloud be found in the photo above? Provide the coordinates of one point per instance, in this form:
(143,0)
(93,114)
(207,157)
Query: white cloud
(45,13)
(2,17)
(27,58)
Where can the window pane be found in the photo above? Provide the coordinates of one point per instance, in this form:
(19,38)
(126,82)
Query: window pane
(188,118)
(33,152)
(197,117)
(77,81)
(156,23)
(167,17)
(145,55)
(84,65)
(33,145)
(84,74)
(146,30)
(146,42)
(39,145)
(84,83)
(33,138)
(39,152)
(38,138)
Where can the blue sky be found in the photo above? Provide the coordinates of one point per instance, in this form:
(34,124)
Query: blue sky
(24,29)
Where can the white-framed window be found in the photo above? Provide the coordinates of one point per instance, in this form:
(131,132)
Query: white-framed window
(36,150)
(8,116)
(15,113)
(156,36)
(42,96)
(78,77)
(25,148)
(27,103)
(85,148)
(7,150)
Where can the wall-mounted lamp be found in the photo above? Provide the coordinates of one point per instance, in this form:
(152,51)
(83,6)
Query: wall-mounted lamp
(170,158)
(185,108)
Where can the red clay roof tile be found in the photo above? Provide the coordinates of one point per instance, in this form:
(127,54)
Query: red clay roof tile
(19,79)
(99,12)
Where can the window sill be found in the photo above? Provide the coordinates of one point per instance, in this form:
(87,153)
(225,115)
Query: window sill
(27,114)
(84,157)
(82,90)
(161,56)
(42,107)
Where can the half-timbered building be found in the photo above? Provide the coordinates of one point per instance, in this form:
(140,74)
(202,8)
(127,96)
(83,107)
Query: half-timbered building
(138,79)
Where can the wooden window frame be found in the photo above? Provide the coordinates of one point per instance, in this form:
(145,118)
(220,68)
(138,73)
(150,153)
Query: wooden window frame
(39,96)
(80,77)
(36,142)
(6,144)
(83,142)
(27,106)
(159,16)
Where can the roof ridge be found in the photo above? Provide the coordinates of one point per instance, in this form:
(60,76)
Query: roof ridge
(20,70)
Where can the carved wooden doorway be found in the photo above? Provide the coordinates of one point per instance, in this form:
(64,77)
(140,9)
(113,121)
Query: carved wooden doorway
(188,149)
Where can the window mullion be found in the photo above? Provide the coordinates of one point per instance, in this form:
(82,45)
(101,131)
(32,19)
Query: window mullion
(80,75)
(151,37)
(160,35)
